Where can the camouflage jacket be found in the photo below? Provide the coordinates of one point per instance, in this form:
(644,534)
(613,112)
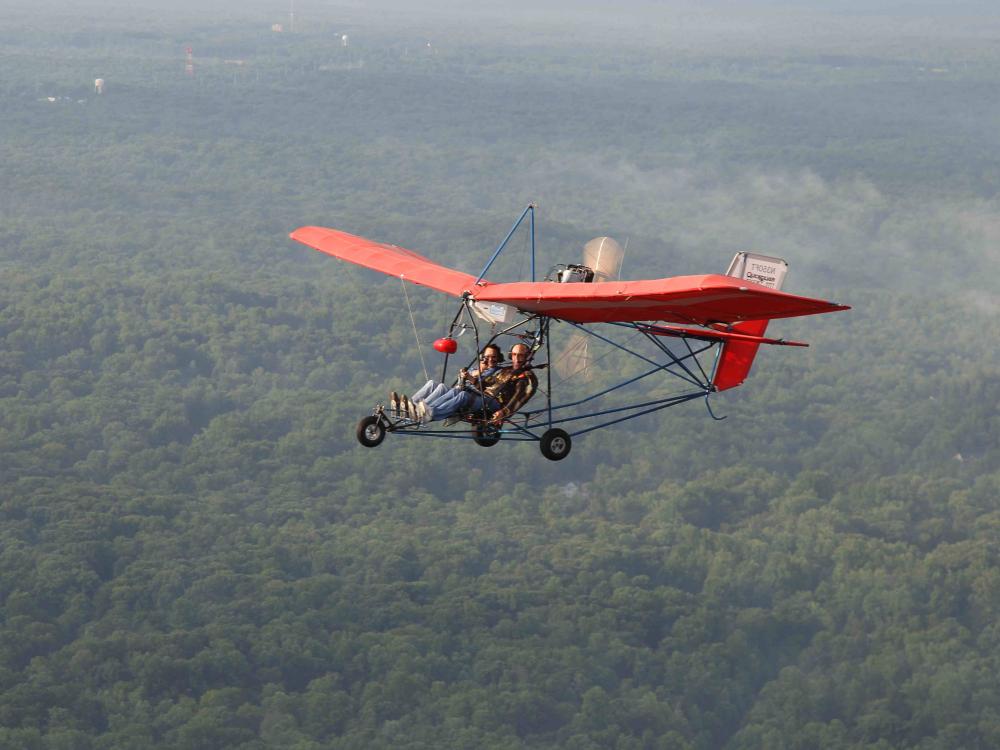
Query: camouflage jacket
(511,388)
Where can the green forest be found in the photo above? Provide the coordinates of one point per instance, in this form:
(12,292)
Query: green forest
(196,553)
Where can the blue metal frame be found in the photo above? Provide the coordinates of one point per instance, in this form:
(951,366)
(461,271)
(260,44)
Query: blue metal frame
(524,427)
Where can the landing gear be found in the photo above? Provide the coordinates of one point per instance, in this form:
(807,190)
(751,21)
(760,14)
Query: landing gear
(486,435)
(555,444)
(371,431)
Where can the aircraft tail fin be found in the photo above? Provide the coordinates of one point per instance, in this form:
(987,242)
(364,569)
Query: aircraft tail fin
(737,357)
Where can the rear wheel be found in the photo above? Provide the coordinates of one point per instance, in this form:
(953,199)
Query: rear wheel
(555,444)
(486,435)
(370,431)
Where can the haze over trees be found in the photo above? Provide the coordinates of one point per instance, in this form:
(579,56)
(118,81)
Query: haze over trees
(194,551)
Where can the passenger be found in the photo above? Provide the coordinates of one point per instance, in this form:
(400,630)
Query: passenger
(476,380)
(431,391)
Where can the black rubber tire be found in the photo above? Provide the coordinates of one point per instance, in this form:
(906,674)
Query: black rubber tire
(370,431)
(485,436)
(555,444)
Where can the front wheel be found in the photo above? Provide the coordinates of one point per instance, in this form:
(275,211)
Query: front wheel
(555,444)
(486,435)
(370,431)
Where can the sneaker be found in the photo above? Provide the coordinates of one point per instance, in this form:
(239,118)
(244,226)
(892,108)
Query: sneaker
(407,408)
(394,403)
(425,412)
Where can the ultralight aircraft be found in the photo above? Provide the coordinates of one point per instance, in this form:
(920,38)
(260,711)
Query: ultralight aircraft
(702,331)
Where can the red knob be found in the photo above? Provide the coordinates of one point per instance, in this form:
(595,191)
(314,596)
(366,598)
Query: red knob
(447,345)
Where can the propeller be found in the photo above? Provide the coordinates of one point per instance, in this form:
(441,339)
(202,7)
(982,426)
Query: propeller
(604,257)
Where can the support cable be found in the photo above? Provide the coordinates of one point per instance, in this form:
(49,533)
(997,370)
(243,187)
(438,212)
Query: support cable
(413,322)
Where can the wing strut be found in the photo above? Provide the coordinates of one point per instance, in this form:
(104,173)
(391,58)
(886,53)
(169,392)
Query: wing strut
(530,209)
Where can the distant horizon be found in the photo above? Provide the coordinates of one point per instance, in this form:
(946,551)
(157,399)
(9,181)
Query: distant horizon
(721,28)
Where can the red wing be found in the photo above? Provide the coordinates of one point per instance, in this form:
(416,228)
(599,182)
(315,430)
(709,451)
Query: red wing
(683,299)
(389,259)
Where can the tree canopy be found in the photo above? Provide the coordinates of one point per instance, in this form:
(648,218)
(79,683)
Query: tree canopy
(195,552)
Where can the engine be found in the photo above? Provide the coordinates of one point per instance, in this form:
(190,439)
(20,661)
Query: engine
(574,274)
